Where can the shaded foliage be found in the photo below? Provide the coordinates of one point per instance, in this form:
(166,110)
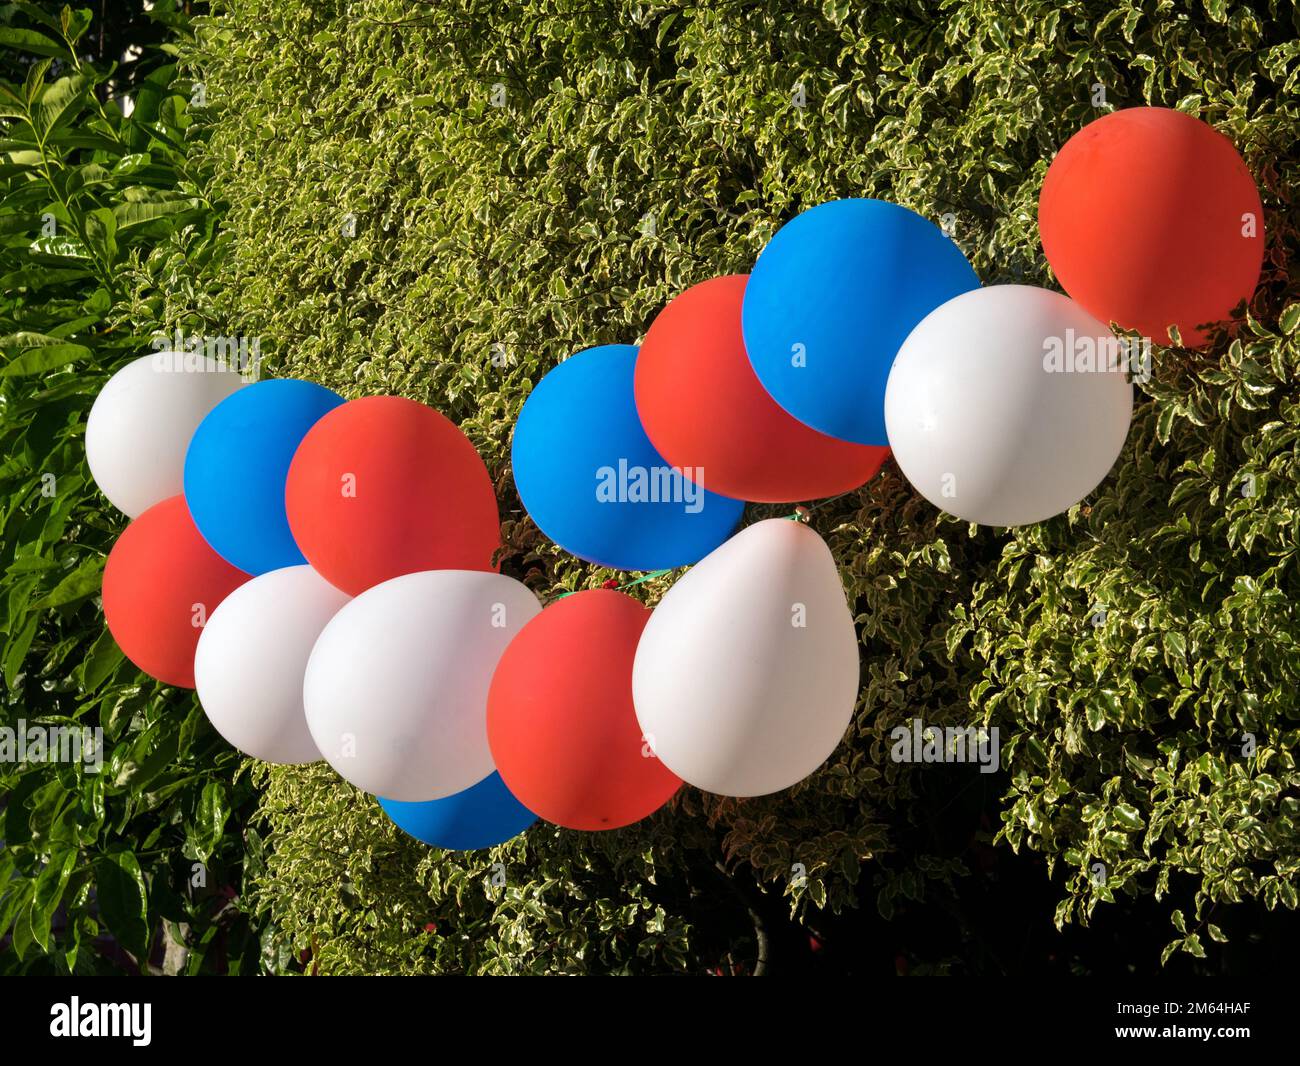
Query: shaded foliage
(95,864)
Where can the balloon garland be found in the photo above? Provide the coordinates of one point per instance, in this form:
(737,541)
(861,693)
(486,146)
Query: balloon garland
(334,596)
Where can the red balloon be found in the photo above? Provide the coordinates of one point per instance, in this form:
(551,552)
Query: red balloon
(703,408)
(161,584)
(1150,218)
(385,486)
(560,720)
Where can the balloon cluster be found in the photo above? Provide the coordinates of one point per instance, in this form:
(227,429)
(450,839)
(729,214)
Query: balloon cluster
(322,571)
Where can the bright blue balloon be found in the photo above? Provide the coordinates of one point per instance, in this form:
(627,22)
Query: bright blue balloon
(832,298)
(482,816)
(593,482)
(236,467)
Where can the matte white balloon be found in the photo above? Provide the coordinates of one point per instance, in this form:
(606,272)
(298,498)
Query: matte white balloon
(746,675)
(1008,405)
(252,657)
(142,421)
(396,689)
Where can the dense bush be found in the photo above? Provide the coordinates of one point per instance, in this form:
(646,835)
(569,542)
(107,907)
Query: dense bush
(442,200)
(92,203)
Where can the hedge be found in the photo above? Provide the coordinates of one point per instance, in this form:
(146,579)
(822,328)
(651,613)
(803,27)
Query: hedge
(129,860)
(442,200)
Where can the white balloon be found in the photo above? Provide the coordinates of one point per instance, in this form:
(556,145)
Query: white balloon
(252,657)
(141,424)
(996,411)
(396,689)
(746,675)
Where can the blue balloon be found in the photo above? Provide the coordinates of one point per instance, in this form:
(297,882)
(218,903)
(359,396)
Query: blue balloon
(593,482)
(482,816)
(236,467)
(830,301)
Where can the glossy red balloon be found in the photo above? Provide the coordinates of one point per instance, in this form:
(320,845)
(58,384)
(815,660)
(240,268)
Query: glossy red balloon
(385,486)
(560,720)
(1150,218)
(161,584)
(703,408)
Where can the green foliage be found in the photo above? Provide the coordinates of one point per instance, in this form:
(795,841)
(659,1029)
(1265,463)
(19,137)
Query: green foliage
(1146,652)
(91,202)
(369,899)
(639,147)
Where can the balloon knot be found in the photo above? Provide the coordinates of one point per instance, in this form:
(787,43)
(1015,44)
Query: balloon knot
(612,583)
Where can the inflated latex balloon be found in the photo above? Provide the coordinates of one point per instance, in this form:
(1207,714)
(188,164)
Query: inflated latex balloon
(482,816)
(746,676)
(1009,405)
(142,421)
(1150,218)
(162,584)
(252,657)
(832,296)
(703,408)
(385,486)
(396,686)
(236,466)
(592,481)
(561,724)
